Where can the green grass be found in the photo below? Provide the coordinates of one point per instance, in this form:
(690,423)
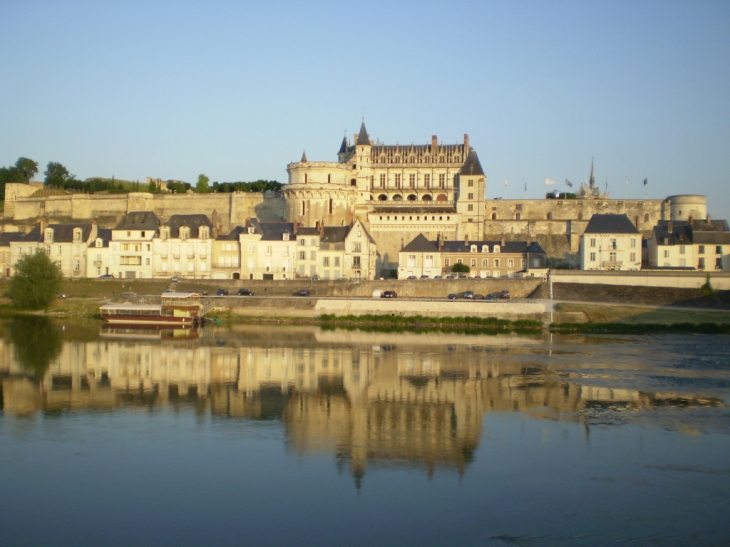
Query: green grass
(419,321)
(640,328)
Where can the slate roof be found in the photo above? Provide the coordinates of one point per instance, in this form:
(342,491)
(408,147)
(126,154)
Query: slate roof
(518,247)
(471,165)
(105,234)
(680,234)
(334,234)
(232,235)
(270,231)
(64,233)
(420,245)
(610,224)
(194,222)
(714,232)
(7,237)
(139,220)
(307,231)
(362,138)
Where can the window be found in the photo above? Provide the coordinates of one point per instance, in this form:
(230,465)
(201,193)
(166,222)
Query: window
(470,183)
(681,249)
(142,233)
(459,261)
(496,262)
(666,254)
(632,257)
(411,181)
(286,234)
(357,248)
(355,261)
(382,181)
(325,261)
(426,181)
(302,255)
(593,242)
(302,242)
(77,265)
(473,248)
(442,180)
(496,249)
(633,243)
(147,261)
(470,196)
(511,263)
(702,249)
(251,249)
(337,261)
(470,207)
(447,262)
(473,262)
(285,251)
(411,261)
(312,255)
(718,250)
(485,262)
(701,264)
(397,180)
(268,250)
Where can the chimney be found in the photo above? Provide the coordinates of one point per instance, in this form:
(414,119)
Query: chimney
(709,219)
(438,241)
(466,240)
(466,144)
(296,227)
(434,144)
(504,240)
(44,225)
(670,227)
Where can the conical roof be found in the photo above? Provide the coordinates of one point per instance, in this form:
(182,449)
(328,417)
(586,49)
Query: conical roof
(471,165)
(362,138)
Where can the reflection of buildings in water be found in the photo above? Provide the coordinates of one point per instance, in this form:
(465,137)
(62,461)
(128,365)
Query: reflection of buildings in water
(367,403)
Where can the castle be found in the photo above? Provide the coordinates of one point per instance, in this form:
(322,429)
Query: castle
(396,191)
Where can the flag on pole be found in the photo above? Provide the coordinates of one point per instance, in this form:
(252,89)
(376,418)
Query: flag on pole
(646,181)
(568,183)
(505,183)
(525,187)
(549,181)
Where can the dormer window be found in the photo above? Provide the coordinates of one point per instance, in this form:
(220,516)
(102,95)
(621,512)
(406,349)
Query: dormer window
(496,248)
(485,248)
(473,249)
(286,236)
(48,237)
(250,229)
(204,233)
(77,234)
(165,233)
(99,242)
(184,232)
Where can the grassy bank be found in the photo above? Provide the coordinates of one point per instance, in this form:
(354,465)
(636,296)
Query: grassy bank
(640,328)
(419,321)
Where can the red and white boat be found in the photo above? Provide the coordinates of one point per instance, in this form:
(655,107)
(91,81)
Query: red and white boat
(180,309)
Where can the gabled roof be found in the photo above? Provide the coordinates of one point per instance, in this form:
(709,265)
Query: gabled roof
(105,234)
(64,233)
(139,220)
(362,138)
(194,222)
(711,232)
(471,165)
(420,245)
(610,224)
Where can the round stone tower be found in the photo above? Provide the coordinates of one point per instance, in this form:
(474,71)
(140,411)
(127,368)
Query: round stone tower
(685,206)
(319,193)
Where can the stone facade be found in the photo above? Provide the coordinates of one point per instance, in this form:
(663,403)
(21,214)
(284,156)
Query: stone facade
(396,191)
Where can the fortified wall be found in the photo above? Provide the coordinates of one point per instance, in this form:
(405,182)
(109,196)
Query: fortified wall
(556,224)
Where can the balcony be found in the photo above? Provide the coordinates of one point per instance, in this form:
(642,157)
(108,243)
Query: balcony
(612,264)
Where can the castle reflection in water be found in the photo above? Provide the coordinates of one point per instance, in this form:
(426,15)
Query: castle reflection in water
(419,399)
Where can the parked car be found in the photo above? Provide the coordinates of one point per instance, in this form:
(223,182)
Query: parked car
(478,297)
(244,292)
(492,296)
(411,277)
(174,279)
(452,296)
(505,294)
(106,276)
(424,276)
(469,295)
(388,294)
(302,292)
(221,292)
(438,277)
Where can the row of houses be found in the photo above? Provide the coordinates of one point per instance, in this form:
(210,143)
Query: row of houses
(613,242)
(186,246)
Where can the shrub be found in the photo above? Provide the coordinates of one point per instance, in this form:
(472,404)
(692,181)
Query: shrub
(35,282)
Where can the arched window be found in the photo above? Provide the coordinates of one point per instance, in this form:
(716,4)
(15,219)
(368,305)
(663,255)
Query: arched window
(646,217)
(305,178)
(517,216)
(549,216)
(412,197)
(353,182)
(496,249)
(397,197)
(427,197)
(494,216)
(580,216)
(485,248)
(382,197)
(329,178)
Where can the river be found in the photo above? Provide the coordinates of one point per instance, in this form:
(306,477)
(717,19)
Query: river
(261,435)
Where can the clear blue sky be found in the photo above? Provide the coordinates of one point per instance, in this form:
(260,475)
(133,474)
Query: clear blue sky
(237,90)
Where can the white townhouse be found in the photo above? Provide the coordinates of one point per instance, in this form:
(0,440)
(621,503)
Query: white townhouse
(695,244)
(184,248)
(130,249)
(226,259)
(97,254)
(268,250)
(610,242)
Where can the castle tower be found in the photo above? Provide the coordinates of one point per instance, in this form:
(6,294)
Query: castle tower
(471,195)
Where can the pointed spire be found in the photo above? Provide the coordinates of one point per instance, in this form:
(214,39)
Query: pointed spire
(592,180)
(362,138)
(472,166)
(304,157)
(343,146)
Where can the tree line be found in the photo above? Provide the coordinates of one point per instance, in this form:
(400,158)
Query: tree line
(58,176)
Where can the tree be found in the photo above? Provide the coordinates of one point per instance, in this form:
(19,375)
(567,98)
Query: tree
(202,186)
(57,175)
(152,187)
(26,169)
(460,268)
(35,282)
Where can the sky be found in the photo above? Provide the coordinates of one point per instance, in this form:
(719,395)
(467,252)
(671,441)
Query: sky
(237,90)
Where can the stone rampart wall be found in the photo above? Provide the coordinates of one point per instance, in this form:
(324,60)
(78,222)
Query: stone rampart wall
(643,278)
